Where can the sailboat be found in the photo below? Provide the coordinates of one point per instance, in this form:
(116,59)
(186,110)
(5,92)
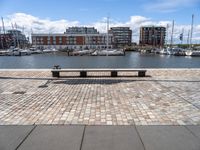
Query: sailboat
(191,52)
(107,51)
(170,50)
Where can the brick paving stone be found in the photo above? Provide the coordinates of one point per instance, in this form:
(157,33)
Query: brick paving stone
(166,97)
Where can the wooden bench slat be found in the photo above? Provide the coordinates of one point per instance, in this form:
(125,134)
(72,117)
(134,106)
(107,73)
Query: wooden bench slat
(83,72)
(96,70)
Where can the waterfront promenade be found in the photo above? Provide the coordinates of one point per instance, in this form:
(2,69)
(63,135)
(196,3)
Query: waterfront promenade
(160,111)
(164,97)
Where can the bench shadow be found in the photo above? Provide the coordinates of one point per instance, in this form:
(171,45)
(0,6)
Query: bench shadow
(65,77)
(91,81)
(78,81)
(103,76)
(100,79)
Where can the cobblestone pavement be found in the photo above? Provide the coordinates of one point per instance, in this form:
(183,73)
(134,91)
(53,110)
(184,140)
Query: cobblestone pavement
(165,97)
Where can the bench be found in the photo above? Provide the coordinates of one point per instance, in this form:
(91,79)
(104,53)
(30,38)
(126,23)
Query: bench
(83,72)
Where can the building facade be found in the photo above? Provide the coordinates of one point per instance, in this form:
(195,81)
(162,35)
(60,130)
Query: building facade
(75,41)
(77,38)
(81,30)
(5,40)
(152,36)
(13,38)
(122,36)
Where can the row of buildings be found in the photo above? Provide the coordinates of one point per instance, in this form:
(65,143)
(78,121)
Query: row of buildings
(90,38)
(86,38)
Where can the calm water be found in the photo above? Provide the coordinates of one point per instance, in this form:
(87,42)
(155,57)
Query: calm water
(131,60)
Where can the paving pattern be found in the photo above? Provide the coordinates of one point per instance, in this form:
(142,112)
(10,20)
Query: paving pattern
(165,97)
(86,137)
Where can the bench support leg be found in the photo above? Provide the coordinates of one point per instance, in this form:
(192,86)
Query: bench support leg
(141,73)
(83,74)
(113,73)
(55,74)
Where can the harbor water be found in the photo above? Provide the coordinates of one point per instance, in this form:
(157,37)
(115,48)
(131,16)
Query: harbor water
(130,60)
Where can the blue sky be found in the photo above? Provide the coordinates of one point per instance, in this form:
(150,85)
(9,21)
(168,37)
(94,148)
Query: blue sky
(87,11)
(133,13)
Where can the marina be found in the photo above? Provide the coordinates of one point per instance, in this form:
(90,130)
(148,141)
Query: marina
(93,52)
(130,60)
(99,75)
(24,52)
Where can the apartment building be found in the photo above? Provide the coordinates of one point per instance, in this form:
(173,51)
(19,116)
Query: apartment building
(152,36)
(81,30)
(122,36)
(72,41)
(13,38)
(74,38)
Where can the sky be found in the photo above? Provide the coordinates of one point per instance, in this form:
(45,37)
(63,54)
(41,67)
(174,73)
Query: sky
(50,16)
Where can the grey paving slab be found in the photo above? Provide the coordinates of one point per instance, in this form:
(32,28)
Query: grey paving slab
(12,136)
(195,130)
(54,138)
(168,138)
(111,138)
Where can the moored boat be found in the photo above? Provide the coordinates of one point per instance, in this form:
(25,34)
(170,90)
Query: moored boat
(192,53)
(188,52)
(16,52)
(195,53)
(25,52)
(110,52)
(163,51)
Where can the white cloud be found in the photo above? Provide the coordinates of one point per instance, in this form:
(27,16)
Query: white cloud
(39,25)
(169,5)
(138,20)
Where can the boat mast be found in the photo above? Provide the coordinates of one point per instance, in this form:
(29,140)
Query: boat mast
(172,33)
(191,30)
(182,36)
(13,35)
(167,34)
(1,39)
(4,33)
(23,39)
(188,38)
(161,39)
(107,33)
(31,40)
(17,35)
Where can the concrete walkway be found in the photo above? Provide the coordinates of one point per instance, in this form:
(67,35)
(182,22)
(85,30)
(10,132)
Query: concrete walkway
(158,112)
(75,137)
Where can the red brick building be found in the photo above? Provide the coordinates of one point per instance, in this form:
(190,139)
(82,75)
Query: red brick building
(75,41)
(152,36)
(74,38)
